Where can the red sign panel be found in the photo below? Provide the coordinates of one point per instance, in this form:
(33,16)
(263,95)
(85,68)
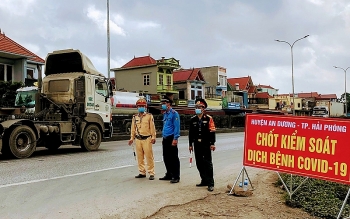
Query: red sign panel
(306,146)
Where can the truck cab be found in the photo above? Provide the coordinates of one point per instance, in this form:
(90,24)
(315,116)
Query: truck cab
(320,111)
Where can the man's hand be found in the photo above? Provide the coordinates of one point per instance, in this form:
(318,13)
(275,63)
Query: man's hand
(190,148)
(212,147)
(174,143)
(130,142)
(153,141)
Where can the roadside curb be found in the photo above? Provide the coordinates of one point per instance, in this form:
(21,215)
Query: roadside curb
(182,133)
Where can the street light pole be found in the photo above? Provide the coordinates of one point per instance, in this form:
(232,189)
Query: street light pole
(346,103)
(108,43)
(291,52)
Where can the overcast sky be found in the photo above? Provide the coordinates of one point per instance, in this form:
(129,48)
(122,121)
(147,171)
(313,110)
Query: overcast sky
(236,34)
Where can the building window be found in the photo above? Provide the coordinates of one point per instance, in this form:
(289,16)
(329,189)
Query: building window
(181,94)
(2,72)
(160,79)
(168,80)
(199,93)
(146,79)
(193,94)
(6,72)
(30,73)
(9,73)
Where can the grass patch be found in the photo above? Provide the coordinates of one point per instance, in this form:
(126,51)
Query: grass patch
(317,197)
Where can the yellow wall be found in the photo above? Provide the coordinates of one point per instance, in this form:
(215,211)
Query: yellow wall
(214,103)
(288,100)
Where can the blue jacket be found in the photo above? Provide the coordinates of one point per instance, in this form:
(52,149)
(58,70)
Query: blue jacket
(171,124)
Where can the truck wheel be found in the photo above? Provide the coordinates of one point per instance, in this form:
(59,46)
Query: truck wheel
(22,142)
(128,128)
(91,138)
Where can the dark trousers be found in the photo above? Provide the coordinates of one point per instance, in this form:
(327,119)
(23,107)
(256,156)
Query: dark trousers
(171,158)
(204,163)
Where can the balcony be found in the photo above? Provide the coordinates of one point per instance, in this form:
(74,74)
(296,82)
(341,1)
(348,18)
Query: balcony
(166,89)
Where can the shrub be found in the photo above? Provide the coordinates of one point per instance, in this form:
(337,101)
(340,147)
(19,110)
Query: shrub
(317,197)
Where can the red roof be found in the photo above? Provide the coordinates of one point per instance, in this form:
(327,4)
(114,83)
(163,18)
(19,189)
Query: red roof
(9,46)
(264,86)
(264,95)
(188,74)
(140,61)
(243,82)
(327,96)
(252,89)
(308,95)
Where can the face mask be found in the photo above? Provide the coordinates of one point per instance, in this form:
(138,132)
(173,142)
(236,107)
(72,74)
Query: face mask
(164,107)
(198,111)
(141,109)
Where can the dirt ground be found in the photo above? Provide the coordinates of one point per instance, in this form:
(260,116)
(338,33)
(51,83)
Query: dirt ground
(265,202)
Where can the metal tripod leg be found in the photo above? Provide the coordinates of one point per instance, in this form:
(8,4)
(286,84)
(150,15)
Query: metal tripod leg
(243,170)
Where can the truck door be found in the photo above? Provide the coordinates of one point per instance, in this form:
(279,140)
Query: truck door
(102,100)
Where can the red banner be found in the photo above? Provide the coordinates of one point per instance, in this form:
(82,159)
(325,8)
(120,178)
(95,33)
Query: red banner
(306,146)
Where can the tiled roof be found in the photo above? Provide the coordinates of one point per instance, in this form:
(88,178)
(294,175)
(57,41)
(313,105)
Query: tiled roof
(283,95)
(264,86)
(252,89)
(327,96)
(243,82)
(187,74)
(264,95)
(307,95)
(140,61)
(9,46)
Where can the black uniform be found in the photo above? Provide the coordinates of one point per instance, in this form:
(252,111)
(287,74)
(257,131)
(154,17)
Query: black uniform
(202,135)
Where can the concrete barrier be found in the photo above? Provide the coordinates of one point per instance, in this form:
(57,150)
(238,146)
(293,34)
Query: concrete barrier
(182,133)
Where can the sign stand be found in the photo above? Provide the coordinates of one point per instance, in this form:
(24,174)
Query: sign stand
(344,203)
(243,170)
(290,190)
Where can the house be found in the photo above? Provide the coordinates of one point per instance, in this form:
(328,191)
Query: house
(147,75)
(190,84)
(266,88)
(216,81)
(327,97)
(242,86)
(17,63)
(284,102)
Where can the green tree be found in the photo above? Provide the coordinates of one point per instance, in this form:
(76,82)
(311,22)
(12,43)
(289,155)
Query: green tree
(347,100)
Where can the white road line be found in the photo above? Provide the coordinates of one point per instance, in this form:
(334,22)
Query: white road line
(61,177)
(69,175)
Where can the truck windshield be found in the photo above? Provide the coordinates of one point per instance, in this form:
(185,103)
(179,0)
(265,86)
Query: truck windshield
(320,112)
(25,98)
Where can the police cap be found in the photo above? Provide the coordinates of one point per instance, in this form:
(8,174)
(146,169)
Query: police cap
(141,102)
(201,102)
(166,99)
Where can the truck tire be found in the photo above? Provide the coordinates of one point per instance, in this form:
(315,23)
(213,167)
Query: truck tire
(22,142)
(91,139)
(128,128)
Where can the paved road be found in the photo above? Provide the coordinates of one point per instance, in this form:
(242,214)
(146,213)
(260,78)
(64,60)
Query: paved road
(74,184)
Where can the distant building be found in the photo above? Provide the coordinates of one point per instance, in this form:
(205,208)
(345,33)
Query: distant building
(147,75)
(190,84)
(216,81)
(266,88)
(17,63)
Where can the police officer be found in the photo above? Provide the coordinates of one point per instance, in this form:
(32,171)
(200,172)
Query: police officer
(171,134)
(202,136)
(143,129)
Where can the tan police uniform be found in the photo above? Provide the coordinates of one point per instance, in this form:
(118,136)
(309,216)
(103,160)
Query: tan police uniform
(143,130)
